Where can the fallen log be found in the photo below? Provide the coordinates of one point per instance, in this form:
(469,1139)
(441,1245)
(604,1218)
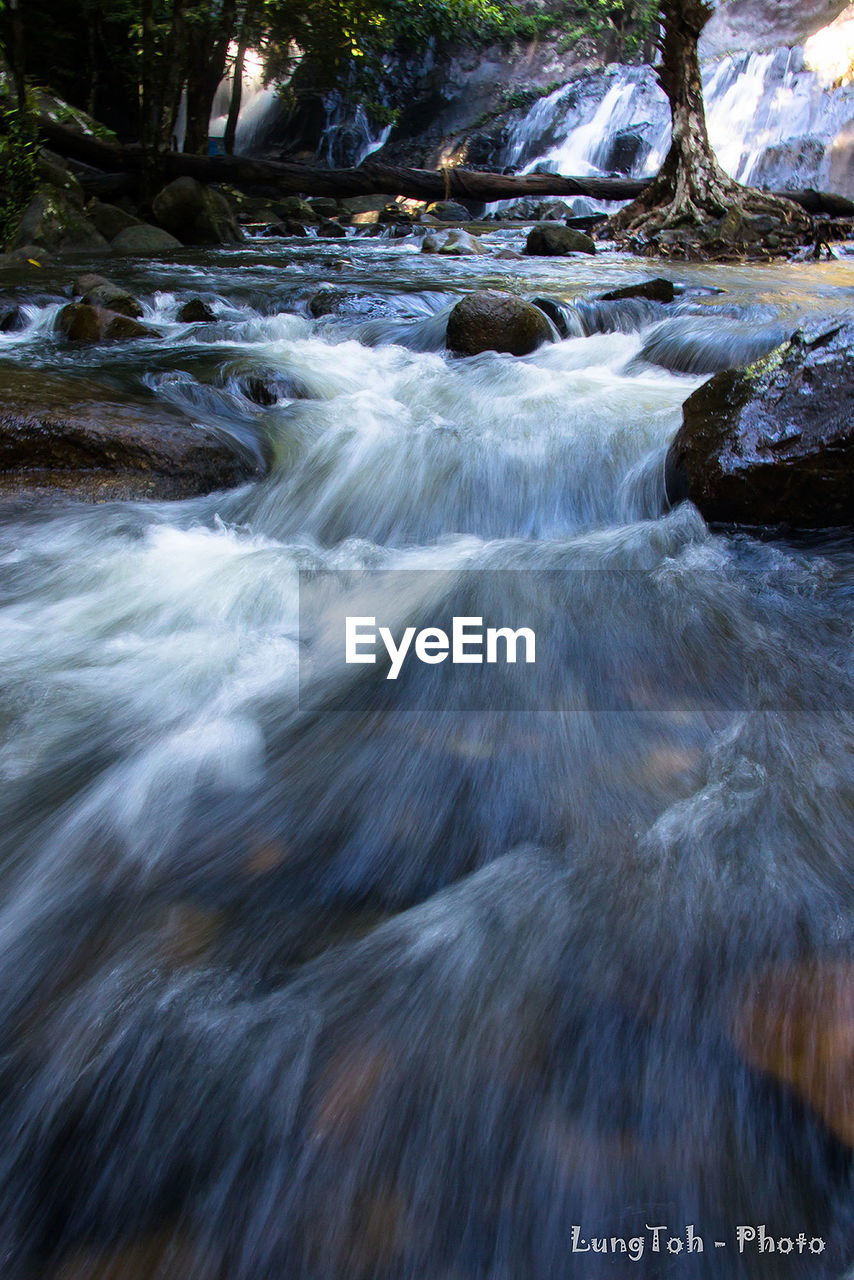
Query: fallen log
(374,177)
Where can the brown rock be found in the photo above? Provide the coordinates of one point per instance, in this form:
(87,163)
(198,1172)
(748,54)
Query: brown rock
(796,1023)
(81,438)
(80,322)
(493,321)
(551,240)
(657,290)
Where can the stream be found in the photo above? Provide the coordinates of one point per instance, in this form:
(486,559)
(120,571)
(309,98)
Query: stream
(309,975)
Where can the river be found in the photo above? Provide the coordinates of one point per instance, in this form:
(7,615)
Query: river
(307,979)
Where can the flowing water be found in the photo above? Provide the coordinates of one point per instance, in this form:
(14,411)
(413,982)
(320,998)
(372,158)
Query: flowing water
(772,120)
(306,975)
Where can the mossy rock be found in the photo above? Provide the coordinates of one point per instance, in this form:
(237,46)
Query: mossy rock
(490,320)
(54,220)
(773,444)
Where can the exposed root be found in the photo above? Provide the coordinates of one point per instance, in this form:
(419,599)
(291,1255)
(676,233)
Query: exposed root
(705,214)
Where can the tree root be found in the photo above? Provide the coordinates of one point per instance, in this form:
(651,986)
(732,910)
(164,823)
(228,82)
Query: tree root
(706,214)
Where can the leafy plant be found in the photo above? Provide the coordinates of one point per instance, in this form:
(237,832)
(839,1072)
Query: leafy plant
(18,153)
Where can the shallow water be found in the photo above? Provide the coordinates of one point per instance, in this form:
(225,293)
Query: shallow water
(306,975)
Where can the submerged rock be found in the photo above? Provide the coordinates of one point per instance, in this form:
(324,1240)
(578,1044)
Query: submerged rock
(12,319)
(330,230)
(81,438)
(773,443)
(707,344)
(81,322)
(196,214)
(551,240)
(493,321)
(657,290)
(196,311)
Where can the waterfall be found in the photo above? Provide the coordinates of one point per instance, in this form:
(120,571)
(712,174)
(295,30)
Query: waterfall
(771,118)
(348,139)
(260,105)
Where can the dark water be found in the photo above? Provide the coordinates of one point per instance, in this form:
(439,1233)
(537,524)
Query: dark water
(319,979)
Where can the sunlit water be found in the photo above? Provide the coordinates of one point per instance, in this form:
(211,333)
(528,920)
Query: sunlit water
(300,984)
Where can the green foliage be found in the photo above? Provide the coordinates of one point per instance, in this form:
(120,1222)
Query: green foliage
(623,29)
(18,153)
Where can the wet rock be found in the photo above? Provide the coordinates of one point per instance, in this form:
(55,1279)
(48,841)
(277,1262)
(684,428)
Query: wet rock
(394,214)
(113,297)
(54,220)
(622,151)
(12,319)
(564,318)
(89,280)
(83,439)
(459,244)
(196,311)
(326,302)
(196,214)
(109,219)
(324,207)
(29,254)
(294,209)
(268,388)
(773,443)
(144,239)
(493,321)
(330,230)
(796,1024)
(551,240)
(657,290)
(80,322)
(707,344)
(449,211)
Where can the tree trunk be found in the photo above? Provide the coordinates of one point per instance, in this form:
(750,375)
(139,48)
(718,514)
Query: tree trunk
(374,178)
(174,74)
(207,54)
(237,82)
(16,53)
(691,189)
(148,100)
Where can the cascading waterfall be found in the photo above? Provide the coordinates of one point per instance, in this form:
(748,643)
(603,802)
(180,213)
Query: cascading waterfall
(311,978)
(772,120)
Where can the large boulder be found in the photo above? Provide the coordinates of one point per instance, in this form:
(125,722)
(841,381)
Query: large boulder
(196,214)
(773,443)
(54,220)
(144,239)
(551,240)
(81,438)
(493,321)
(109,219)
